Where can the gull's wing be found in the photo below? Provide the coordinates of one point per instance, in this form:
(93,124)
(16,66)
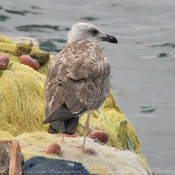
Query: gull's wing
(77,81)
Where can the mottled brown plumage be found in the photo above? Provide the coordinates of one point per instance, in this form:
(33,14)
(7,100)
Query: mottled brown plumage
(78,80)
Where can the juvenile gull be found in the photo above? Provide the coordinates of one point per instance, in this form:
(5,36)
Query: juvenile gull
(78,80)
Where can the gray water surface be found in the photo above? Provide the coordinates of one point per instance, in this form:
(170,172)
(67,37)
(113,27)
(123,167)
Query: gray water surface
(142,64)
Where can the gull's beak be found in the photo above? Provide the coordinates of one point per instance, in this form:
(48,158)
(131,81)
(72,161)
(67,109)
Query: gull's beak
(109,38)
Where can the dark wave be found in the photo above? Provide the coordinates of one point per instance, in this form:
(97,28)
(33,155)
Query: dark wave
(59,40)
(35,7)
(23,12)
(164,45)
(147,109)
(89,18)
(51,45)
(3,18)
(67,28)
(35,27)
(162,55)
(47,46)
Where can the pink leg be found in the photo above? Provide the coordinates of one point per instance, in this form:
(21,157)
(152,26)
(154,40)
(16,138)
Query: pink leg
(86,127)
(62,138)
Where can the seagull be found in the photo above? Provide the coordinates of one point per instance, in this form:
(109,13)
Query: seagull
(77,81)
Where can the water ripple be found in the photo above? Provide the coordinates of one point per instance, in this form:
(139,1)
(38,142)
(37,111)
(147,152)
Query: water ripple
(35,7)
(162,55)
(51,45)
(60,40)
(88,18)
(23,12)
(147,109)
(164,45)
(35,27)
(3,18)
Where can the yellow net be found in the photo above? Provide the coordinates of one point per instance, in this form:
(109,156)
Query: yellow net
(110,119)
(22,101)
(108,161)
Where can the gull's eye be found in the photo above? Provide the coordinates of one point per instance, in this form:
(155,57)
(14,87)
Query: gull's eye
(94,32)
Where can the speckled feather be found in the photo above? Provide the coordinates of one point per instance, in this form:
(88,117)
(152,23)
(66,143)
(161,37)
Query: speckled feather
(78,80)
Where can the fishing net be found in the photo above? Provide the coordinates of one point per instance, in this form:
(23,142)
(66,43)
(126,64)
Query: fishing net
(107,161)
(22,101)
(22,114)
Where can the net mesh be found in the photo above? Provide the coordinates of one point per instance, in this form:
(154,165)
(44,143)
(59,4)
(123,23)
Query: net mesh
(22,101)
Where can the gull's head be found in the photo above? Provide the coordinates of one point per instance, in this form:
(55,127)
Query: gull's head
(87,31)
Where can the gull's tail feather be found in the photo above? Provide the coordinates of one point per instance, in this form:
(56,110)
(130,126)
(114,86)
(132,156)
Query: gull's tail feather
(68,126)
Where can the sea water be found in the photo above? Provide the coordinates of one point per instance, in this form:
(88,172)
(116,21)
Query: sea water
(142,63)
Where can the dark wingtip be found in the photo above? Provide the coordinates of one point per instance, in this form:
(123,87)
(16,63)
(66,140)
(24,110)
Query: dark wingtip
(45,121)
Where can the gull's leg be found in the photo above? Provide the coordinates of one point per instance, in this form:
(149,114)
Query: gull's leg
(62,138)
(86,127)
(62,135)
